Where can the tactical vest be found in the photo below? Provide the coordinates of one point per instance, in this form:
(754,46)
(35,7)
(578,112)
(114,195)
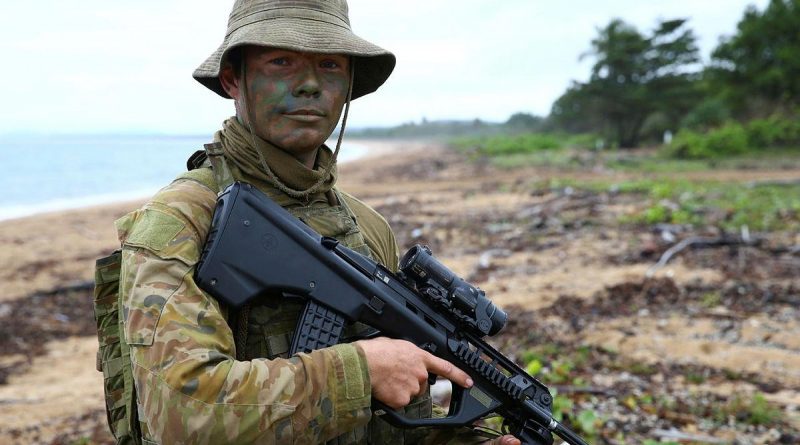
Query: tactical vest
(261,330)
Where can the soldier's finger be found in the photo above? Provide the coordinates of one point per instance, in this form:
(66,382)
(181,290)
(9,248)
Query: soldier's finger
(506,440)
(445,369)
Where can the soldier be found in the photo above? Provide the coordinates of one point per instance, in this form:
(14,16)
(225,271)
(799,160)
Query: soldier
(205,374)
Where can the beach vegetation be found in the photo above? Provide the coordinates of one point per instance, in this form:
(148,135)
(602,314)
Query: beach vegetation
(733,139)
(729,205)
(753,410)
(503,145)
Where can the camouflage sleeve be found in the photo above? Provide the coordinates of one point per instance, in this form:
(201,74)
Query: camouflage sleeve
(190,388)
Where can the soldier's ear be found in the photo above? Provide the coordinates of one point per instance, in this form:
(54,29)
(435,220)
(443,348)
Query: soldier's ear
(229,78)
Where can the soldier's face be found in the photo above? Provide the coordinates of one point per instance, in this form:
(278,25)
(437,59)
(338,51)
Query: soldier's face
(295,98)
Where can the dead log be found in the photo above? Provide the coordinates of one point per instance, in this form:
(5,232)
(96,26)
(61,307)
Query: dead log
(700,242)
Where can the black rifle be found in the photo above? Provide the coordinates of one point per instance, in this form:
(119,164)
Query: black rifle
(255,247)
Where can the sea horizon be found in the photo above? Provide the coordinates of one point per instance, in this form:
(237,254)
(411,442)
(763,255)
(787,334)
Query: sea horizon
(49,172)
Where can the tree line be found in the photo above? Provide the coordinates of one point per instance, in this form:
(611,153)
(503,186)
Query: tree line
(643,85)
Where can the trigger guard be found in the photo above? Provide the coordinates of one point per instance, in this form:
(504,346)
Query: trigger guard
(465,408)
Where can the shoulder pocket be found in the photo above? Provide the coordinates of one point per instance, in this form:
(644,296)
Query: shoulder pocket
(164,234)
(148,282)
(154,230)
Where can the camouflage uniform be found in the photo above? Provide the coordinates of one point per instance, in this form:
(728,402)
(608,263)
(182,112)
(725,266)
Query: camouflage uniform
(200,381)
(191,388)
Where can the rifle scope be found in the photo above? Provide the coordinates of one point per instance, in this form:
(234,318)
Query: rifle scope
(460,297)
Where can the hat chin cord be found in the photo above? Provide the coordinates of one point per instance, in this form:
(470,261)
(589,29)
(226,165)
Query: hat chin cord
(301,194)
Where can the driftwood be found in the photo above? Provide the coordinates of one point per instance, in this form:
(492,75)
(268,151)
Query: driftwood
(745,239)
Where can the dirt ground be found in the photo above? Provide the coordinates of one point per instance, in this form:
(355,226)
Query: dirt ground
(664,355)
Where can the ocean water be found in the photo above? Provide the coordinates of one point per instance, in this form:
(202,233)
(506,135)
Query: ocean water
(47,173)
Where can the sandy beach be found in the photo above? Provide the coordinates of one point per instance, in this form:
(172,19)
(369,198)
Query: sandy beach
(560,263)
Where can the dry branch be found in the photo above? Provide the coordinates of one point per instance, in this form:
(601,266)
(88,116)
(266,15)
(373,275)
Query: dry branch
(697,242)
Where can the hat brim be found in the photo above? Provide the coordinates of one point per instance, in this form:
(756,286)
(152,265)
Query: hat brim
(372,64)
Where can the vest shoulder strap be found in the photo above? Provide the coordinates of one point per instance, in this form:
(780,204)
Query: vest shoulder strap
(209,167)
(204,176)
(219,166)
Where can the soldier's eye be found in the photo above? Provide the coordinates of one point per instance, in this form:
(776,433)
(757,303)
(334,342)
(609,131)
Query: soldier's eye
(329,64)
(280,61)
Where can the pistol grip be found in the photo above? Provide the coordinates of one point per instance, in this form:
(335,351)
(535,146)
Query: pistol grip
(318,327)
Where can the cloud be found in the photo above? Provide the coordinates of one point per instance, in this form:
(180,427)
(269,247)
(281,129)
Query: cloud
(103,66)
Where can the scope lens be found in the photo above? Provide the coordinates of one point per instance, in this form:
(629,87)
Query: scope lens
(409,258)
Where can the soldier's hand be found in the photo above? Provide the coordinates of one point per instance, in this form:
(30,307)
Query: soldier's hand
(399,370)
(506,440)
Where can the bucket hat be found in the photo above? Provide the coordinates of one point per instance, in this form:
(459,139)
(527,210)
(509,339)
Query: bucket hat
(316,26)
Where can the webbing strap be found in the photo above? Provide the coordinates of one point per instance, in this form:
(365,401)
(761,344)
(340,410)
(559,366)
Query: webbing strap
(222,173)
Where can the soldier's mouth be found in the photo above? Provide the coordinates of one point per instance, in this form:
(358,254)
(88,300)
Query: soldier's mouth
(305,115)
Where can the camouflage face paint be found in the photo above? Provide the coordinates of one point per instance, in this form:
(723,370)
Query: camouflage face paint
(295,98)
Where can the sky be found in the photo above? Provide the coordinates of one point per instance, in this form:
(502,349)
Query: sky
(100,66)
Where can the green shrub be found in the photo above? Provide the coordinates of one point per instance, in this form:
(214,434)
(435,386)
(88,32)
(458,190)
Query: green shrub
(733,138)
(688,145)
(774,131)
(763,132)
(730,139)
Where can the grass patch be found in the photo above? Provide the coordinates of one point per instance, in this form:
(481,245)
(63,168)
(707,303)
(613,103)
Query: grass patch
(728,147)
(696,378)
(765,207)
(554,365)
(640,368)
(504,145)
(711,299)
(753,410)
(558,158)
(528,149)
(658,164)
